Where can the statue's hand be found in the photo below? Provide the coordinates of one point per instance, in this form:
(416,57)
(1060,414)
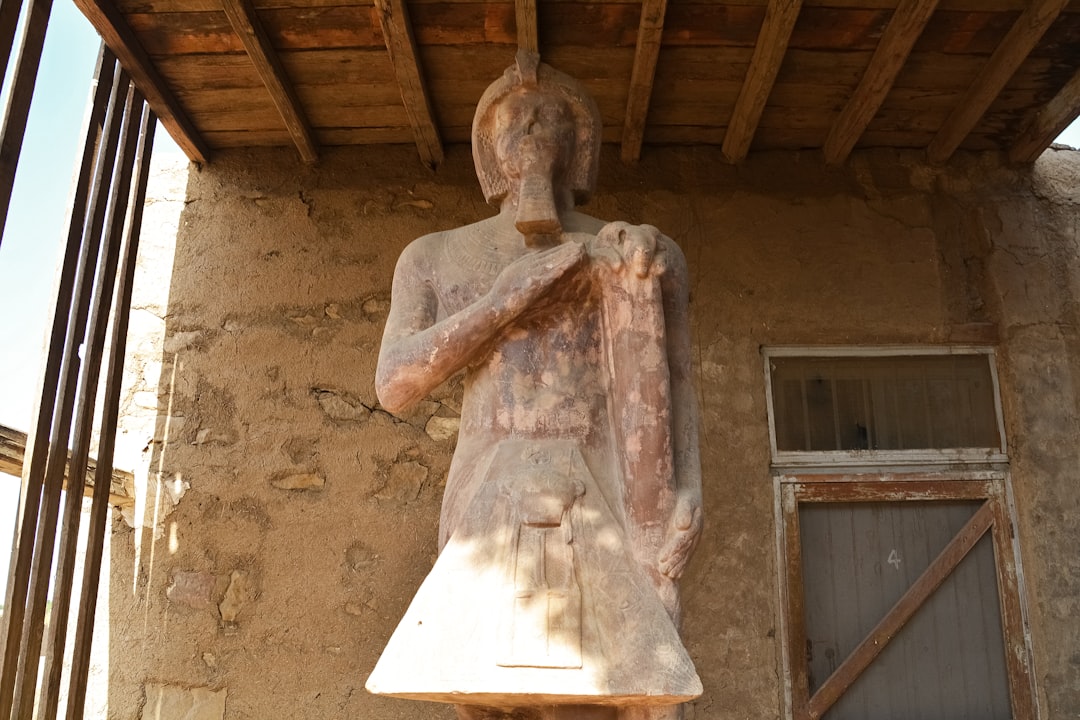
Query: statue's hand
(683,537)
(623,247)
(526,280)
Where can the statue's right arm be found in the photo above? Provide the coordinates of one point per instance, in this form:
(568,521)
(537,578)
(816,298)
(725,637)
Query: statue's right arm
(418,353)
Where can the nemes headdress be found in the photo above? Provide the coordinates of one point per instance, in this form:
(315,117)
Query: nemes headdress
(528,71)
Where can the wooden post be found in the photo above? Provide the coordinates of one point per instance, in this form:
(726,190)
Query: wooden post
(38,443)
(18,104)
(91,580)
(9,21)
(50,473)
(89,372)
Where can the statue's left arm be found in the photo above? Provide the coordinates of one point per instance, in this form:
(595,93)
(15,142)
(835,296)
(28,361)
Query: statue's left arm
(686,521)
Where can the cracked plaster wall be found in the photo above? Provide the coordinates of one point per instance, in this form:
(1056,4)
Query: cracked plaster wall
(285,520)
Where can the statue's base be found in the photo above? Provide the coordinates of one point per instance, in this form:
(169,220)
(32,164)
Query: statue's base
(506,620)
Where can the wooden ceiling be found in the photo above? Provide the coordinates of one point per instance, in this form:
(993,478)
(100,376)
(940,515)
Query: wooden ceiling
(745,74)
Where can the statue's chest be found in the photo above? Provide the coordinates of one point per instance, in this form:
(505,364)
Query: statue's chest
(466,270)
(562,348)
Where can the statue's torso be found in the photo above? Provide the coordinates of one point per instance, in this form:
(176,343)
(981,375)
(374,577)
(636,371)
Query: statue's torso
(544,378)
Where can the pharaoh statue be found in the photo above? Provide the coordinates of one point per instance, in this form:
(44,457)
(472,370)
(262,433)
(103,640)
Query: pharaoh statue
(573,500)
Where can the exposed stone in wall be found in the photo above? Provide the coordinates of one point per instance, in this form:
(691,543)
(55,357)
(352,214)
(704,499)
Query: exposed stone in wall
(170,702)
(295,517)
(299,481)
(239,593)
(194,589)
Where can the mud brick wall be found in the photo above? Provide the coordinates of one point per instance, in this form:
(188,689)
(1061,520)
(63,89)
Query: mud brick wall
(285,519)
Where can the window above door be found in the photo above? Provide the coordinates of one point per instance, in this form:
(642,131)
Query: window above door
(897,405)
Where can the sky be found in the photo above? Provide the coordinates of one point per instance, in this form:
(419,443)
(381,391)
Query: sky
(30,251)
(32,243)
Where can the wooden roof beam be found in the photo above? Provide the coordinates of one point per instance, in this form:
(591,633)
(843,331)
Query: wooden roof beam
(772,42)
(13,456)
(650,31)
(120,38)
(1048,123)
(401,45)
(892,52)
(999,69)
(268,65)
(528,36)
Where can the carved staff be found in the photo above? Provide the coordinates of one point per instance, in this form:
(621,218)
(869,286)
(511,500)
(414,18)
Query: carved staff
(630,263)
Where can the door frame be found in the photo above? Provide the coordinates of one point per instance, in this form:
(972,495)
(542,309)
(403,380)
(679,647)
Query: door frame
(994,518)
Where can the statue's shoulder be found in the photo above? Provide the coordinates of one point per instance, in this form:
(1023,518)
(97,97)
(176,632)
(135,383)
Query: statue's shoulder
(674,252)
(423,253)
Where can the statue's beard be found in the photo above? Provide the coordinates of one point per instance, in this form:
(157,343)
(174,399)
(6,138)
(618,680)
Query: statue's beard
(535,167)
(537,213)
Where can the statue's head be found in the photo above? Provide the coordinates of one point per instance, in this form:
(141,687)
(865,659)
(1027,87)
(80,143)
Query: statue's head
(531,95)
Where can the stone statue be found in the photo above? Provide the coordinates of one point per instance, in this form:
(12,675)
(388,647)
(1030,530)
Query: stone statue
(574,497)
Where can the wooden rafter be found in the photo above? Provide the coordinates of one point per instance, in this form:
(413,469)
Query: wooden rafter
(650,31)
(772,42)
(401,45)
(528,37)
(1009,55)
(872,645)
(13,454)
(246,23)
(903,31)
(1048,123)
(118,35)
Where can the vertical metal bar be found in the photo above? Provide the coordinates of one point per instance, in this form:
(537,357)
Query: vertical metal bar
(91,579)
(94,347)
(928,417)
(807,443)
(33,474)
(18,105)
(898,422)
(836,413)
(868,413)
(9,21)
(61,428)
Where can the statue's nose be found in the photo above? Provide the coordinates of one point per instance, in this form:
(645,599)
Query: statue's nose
(532,121)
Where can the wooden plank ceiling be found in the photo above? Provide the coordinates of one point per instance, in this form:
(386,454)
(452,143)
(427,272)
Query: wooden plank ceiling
(748,75)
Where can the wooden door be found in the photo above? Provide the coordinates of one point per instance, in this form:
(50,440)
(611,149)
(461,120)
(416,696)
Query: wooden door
(902,599)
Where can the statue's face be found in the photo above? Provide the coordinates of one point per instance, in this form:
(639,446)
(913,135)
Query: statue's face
(534,131)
